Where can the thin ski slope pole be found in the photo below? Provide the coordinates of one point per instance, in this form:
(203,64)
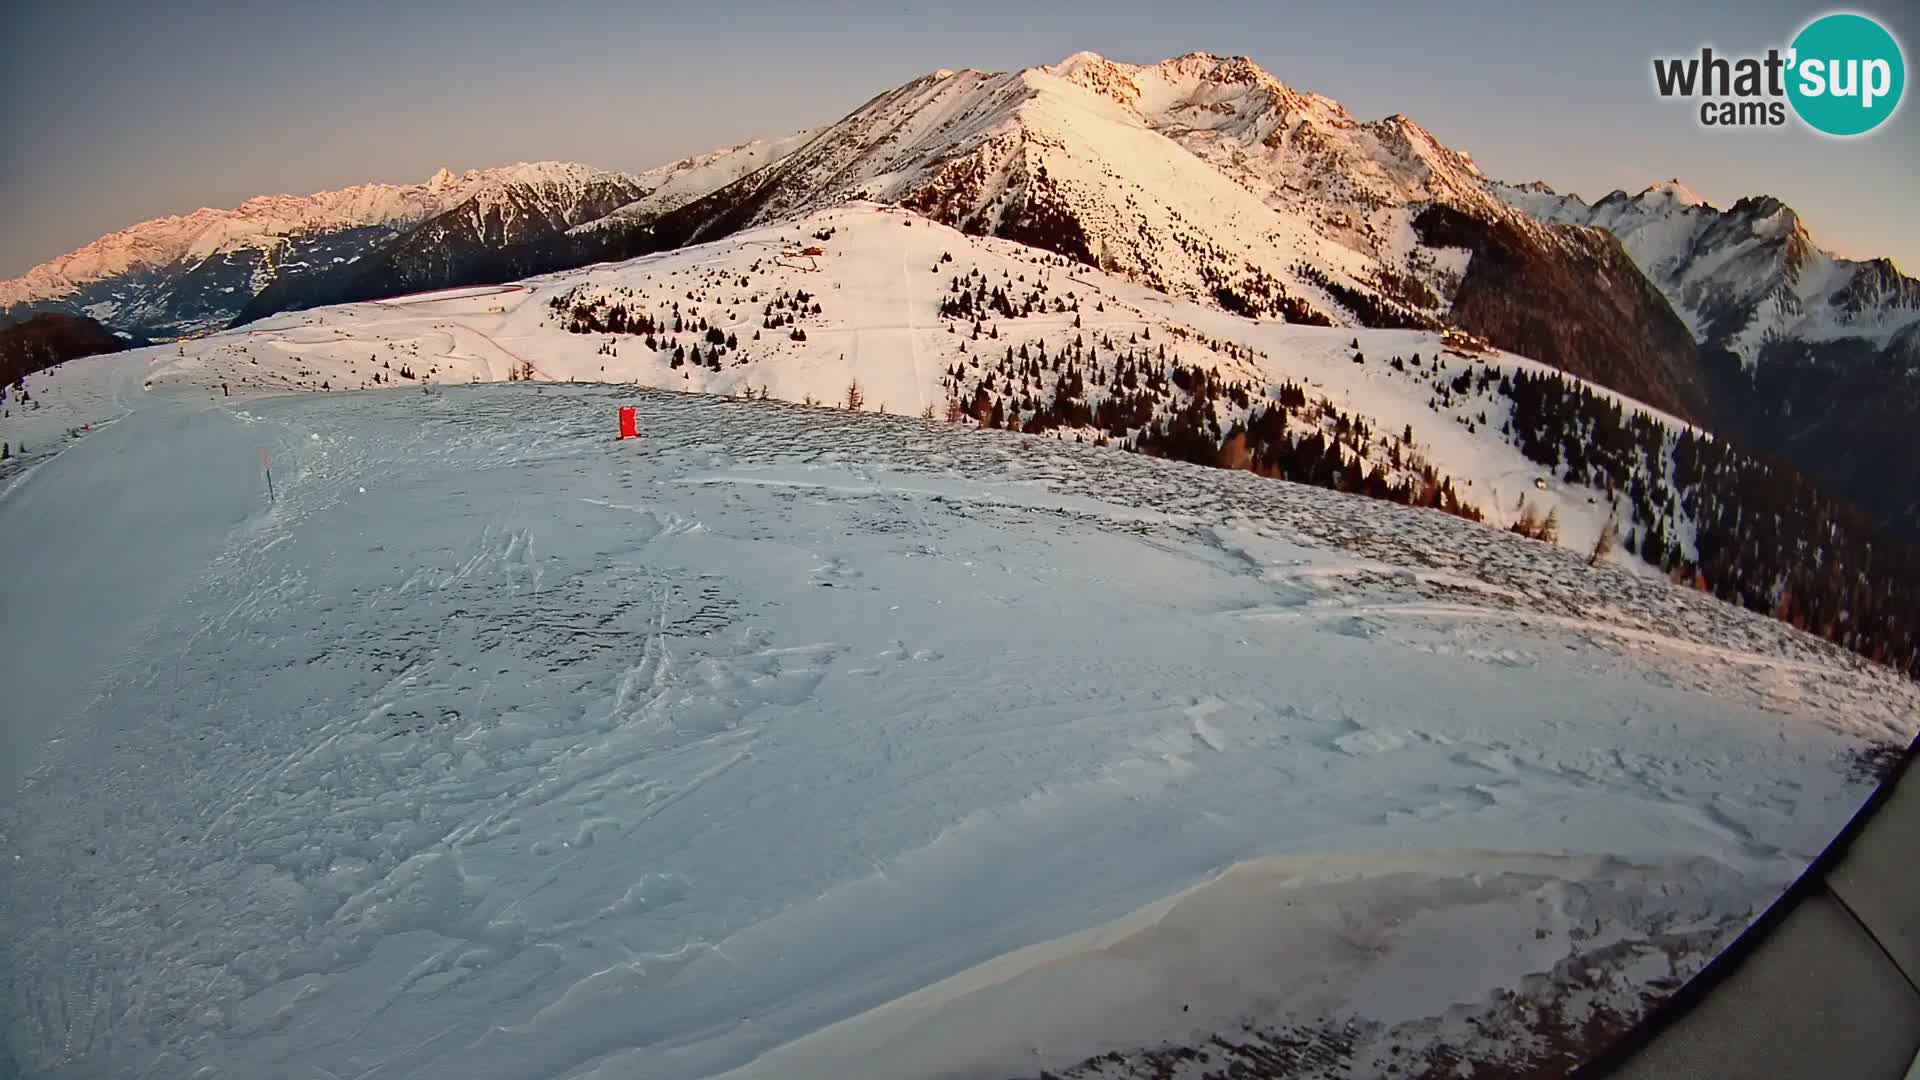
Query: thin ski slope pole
(267,467)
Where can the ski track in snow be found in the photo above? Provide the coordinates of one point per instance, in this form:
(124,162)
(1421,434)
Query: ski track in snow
(496,748)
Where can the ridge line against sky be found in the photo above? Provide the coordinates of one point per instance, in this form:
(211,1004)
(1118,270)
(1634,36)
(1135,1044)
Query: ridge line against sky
(124,112)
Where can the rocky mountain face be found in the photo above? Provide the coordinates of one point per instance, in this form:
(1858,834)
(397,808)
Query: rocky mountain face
(1573,299)
(1743,276)
(1841,409)
(1809,357)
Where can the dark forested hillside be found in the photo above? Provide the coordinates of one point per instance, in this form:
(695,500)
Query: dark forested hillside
(1753,532)
(1571,297)
(1842,411)
(49,339)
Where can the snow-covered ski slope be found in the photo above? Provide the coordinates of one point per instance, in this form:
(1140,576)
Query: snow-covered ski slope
(880,285)
(806,743)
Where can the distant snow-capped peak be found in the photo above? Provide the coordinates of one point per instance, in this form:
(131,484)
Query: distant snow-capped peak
(1743,276)
(1196,173)
(1672,192)
(260,221)
(1198,90)
(1276,140)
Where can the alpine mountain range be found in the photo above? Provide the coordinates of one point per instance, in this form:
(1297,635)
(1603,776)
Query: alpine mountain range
(1202,177)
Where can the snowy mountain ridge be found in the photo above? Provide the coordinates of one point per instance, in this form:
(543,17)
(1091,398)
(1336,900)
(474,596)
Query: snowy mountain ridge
(669,187)
(1743,276)
(1204,178)
(1811,357)
(264,219)
(1196,175)
(1075,156)
(1201,176)
(190,273)
(1282,143)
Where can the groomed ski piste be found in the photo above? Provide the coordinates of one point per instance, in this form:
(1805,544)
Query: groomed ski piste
(787,741)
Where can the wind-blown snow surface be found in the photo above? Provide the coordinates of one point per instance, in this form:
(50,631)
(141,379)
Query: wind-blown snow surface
(497,748)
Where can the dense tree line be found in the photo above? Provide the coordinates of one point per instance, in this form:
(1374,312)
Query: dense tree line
(1133,395)
(1753,532)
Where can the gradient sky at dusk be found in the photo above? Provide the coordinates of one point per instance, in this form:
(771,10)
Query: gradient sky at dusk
(114,113)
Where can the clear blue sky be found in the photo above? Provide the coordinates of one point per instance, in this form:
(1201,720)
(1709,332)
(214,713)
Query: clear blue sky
(114,113)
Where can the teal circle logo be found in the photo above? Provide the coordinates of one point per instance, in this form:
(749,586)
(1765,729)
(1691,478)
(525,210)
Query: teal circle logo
(1846,75)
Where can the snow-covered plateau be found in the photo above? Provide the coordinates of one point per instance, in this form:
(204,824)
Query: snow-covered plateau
(789,741)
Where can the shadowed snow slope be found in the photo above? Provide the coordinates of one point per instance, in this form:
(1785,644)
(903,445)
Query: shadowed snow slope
(497,748)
